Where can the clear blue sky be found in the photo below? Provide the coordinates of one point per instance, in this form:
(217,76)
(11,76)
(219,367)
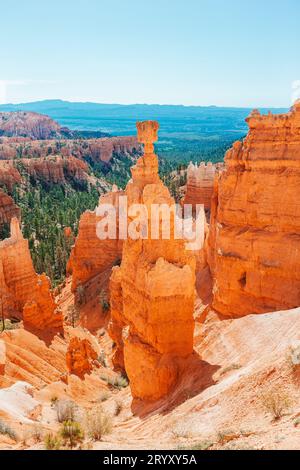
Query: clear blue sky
(200,52)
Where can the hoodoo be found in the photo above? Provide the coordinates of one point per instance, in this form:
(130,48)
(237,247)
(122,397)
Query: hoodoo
(25,294)
(254,241)
(200,183)
(91,256)
(152,292)
(8,209)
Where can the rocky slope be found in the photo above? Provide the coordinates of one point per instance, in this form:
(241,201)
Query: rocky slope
(254,236)
(56,169)
(27,124)
(92,150)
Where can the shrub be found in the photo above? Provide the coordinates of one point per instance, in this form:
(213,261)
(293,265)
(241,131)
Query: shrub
(102,359)
(9,325)
(98,423)
(52,442)
(66,410)
(276,402)
(73,315)
(202,445)
(80,294)
(181,430)
(297,422)
(118,407)
(37,433)
(227,436)
(7,430)
(295,354)
(230,368)
(118,381)
(54,400)
(71,433)
(104,301)
(104,396)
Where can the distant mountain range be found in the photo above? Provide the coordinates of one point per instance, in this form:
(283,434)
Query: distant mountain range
(176,121)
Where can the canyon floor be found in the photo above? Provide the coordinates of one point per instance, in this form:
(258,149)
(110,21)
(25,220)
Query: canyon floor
(223,401)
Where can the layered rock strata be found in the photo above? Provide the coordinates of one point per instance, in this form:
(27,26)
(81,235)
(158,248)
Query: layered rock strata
(152,292)
(254,241)
(90,255)
(200,183)
(80,356)
(8,209)
(56,169)
(95,150)
(25,294)
(9,175)
(28,124)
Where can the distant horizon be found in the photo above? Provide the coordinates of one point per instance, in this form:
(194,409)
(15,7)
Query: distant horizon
(62,100)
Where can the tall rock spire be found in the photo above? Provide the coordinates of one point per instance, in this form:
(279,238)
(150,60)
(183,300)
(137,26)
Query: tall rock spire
(152,292)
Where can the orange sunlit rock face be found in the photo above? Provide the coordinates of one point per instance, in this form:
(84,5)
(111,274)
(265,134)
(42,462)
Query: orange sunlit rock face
(33,125)
(9,175)
(24,294)
(41,315)
(152,292)
(254,241)
(8,209)
(91,256)
(98,150)
(56,169)
(80,356)
(200,183)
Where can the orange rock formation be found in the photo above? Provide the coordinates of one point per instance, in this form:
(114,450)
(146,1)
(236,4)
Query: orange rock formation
(152,292)
(200,183)
(8,208)
(98,150)
(254,241)
(33,125)
(9,175)
(91,256)
(56,169)
(24,294)
(40,315)
(80,356)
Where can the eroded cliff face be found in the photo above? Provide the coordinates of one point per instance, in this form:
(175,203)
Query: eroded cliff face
(9,175)
(254,236)
(56,169)
(28,124)
(95,150)
(200,183)
(8,209)
(24,294)
(152,292)
(41,315)
(90,255)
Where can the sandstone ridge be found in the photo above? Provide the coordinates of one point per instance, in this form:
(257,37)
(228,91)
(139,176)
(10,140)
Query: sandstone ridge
(254,234)
(25,294)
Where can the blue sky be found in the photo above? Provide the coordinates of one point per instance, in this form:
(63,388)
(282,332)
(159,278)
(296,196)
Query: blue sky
(193,52)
